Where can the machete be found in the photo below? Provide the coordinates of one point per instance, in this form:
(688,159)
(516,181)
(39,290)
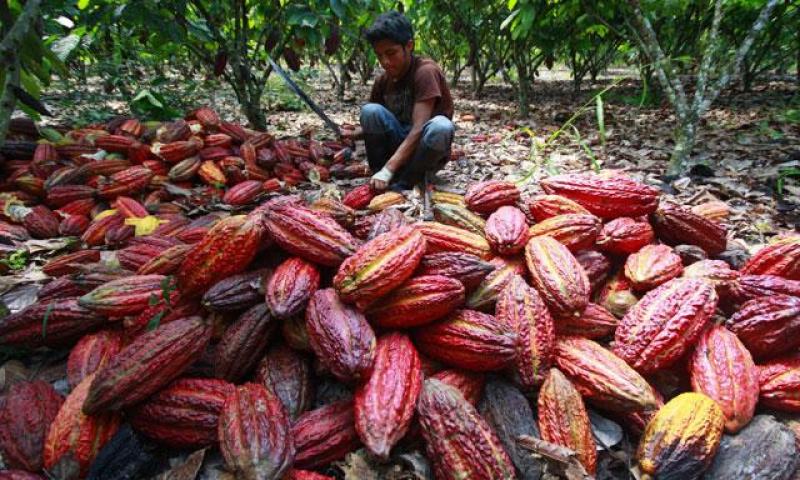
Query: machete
(300,93)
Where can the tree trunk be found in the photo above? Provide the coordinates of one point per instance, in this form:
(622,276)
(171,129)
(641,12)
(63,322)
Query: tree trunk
(685,138)
(344,77)
(255,115)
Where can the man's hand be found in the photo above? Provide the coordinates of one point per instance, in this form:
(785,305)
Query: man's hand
(380,180)
(352,134)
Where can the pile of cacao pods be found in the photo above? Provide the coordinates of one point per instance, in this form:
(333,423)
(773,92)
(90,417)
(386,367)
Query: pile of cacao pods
(505,318)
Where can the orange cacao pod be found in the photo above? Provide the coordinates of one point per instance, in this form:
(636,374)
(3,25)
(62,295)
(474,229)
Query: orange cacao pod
(652,266)
(563,419)
(445,238)
(379,266)
(557,276)
(543,207)
(227,249)
(575,230)
(682,438)
(75,436)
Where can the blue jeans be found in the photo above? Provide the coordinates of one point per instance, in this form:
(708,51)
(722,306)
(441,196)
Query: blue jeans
(383,133)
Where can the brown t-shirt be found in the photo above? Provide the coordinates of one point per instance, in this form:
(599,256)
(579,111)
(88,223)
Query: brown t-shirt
(423,81)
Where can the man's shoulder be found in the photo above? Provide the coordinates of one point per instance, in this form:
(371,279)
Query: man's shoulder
(427,65)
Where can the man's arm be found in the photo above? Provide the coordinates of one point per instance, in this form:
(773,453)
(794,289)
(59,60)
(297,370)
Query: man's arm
(422,113)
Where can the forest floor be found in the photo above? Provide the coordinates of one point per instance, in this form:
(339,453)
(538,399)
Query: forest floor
(748,147)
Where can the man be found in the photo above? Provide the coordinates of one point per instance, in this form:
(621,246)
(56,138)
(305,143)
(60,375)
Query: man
(406,127)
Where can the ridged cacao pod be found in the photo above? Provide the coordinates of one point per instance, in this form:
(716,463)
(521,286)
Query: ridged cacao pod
(779,383)
(243,193)
(379,266)
(574,230)
(340,336)
(125,296)
(41,222)
(470,384)
(596,265)
(185,414)
(557,276)
(459,216)
(520,307)
(53,323)
(147,364)
(486,197)
(485,295)
(509,414)
(359,197)
(325,435)
(445,238)
(624,236)
(595,322)
(457,438)
(385,200)
(165,263)
(768,326)
(682,438)
(470,340)
(507,230)
(780,258)
(70,262)
(64,194)
(419,301)
(749,287)
(75,436)
(92,353)
(543,207)
(127,182)
(290,287)
(616,294)
(255,435)
(25,417)
(665,324)
(309,234)
(722,369)
(605,197)
(344,215)
(295,333)
(652,266)
(237,292)
(676,225)
(384,405)
(718,272)
(227,249)
(287,374)
(386,221)
(440,197)
(243,343)
(563,419)
(603,378)
(73,225)
(468,269)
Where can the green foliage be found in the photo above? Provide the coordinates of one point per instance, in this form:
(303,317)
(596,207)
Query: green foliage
(785,173)
(16,260)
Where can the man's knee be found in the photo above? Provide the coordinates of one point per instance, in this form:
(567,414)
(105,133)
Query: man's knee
(438,133)
(372,118)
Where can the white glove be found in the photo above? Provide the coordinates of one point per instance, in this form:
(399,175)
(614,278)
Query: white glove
(384,175)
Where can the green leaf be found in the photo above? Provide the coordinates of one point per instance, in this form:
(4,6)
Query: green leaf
(51,134)
(64,46)
(338,8)
(155,320)
(601,123)
(153,300)
(82,4)
(46,318)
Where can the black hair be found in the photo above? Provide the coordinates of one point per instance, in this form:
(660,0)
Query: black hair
(392,26)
